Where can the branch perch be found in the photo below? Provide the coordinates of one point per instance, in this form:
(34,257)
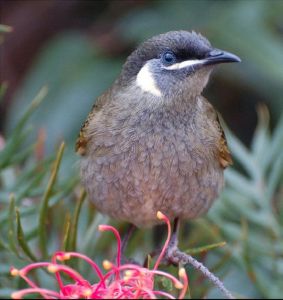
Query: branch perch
(175,256)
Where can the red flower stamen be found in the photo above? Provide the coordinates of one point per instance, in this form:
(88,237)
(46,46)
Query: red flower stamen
(162,217)
(118,238)
(127,281)
(47,294)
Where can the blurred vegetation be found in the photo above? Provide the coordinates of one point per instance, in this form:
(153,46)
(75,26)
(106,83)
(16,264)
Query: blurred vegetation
(77,63)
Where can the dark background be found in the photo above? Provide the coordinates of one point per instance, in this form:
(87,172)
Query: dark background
(78,47)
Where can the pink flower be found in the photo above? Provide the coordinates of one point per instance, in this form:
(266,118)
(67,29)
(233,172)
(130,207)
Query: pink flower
(128,281)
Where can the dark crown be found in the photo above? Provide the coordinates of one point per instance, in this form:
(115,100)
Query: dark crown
(185,45)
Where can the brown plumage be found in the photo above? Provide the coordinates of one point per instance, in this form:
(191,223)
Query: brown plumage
(225,158)
(152,142)
(82,140)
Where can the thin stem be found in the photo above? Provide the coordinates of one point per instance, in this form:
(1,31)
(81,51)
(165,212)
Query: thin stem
(117,235)
(87,259)
(162,217)
(179,257)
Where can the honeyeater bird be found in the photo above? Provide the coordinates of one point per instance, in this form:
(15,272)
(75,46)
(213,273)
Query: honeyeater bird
(152,142)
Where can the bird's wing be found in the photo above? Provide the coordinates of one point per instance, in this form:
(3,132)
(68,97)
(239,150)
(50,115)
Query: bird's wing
(213,123)
(225,158)
(82,140)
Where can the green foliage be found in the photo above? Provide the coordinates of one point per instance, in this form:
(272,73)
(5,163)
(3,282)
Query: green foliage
(249,213)
(76,73)
(27,195)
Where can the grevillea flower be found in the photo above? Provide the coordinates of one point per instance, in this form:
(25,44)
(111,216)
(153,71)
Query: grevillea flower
(121,281)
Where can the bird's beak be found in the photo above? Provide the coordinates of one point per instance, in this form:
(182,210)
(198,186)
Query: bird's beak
(217,56)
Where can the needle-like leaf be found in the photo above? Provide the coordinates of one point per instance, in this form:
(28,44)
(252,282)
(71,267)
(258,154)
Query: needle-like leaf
(44,205)
(21,238)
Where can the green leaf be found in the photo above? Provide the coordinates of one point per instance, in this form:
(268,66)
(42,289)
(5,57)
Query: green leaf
(11,233)
(75,85)
(243,156)
(261,138)
(63,191)
(3,245)
(44,205)
(19,135)
(66,232)
(21,238)
(34,105)
(166,283)
(276,144)
(74,228)
(242,184)
(206,248)
(275,177)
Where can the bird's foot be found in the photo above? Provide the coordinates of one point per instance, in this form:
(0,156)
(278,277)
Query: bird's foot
(170,253)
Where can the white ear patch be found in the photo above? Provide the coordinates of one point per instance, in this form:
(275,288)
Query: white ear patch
(184,64)
(146,82)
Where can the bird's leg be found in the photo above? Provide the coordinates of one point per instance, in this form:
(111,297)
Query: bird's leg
(173,244)
(131,228)
(176,228)
(175,256)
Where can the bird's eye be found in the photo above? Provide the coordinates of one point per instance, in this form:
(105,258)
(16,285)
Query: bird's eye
(168,58)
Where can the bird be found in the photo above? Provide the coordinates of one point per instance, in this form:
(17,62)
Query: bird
(152,142)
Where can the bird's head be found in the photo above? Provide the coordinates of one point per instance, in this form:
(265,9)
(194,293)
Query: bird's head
(174,62)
